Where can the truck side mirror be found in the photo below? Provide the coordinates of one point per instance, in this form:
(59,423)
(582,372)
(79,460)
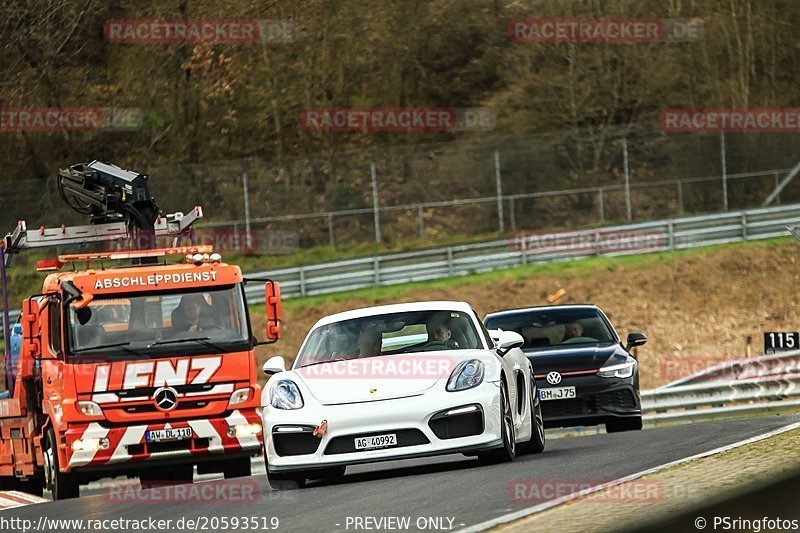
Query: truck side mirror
(29,319)
(272,293)
(74,296)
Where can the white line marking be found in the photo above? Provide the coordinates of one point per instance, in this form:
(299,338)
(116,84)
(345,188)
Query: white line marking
(522,513)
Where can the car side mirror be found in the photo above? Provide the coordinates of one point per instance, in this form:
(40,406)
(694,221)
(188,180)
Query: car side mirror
(509,340)
(635,339)
(272,299)
(274,365)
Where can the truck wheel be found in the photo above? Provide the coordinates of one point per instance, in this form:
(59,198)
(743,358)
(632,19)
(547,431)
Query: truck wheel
(62,485)
(239,467)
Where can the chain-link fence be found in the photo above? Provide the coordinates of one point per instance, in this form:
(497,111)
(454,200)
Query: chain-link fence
(464,187)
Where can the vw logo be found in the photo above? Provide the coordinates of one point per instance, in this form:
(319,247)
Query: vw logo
(166,398)
(554,378)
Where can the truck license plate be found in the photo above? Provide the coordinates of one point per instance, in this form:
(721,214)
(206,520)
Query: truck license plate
(167,435)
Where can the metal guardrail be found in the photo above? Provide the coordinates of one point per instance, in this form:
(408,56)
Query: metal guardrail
(762,385)
(522,249)
(527,249)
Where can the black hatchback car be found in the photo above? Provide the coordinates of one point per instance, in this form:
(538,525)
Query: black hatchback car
(584,373)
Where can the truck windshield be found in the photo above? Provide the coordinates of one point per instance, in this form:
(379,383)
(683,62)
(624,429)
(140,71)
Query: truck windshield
(206,321)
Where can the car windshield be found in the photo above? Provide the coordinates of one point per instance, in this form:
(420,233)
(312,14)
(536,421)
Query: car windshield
(204,321)
(393,333)
(554,327)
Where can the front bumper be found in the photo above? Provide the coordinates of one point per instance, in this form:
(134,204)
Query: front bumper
(127,445)
(598,400)
(417,422)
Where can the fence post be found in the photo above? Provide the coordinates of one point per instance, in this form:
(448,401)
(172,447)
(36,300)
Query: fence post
(671,235)
(513,213)
(302,272)
(376,213)
(376,266)
(680,197)
(449,261)
(627,178)
(744,226)
(777,183)
(421,218)
(602,207)
(245,177)
(724,163)
(331,237)
(497,177)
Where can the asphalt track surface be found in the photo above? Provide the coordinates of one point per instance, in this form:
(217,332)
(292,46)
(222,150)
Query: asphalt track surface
(434,494)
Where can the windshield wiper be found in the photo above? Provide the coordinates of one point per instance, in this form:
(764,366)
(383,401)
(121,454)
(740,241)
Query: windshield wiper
(201,340)
(323,362)
(104,346)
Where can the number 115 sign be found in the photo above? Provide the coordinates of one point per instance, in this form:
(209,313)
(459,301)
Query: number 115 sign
(781,341)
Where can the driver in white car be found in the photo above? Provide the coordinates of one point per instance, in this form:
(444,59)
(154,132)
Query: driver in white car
(439,331)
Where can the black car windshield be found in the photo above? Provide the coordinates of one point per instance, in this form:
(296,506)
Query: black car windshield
(412,331)
(554,327)
(211,320)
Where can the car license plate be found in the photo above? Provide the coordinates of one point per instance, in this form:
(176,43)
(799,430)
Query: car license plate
(377,441)
(167,435)
(557,393)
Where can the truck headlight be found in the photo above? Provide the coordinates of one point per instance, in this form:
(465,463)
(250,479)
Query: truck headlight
(90,409)
(467,374)
(244,430)
(284,394)
(90,444)
(620,370)
(239,396)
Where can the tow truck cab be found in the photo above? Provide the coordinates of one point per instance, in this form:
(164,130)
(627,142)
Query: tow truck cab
(144,370)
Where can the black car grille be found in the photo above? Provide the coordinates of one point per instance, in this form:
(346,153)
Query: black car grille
(456,426)
(405,437)
(296,442)
(593,404)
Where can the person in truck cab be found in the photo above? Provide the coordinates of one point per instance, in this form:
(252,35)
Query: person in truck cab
(192,314)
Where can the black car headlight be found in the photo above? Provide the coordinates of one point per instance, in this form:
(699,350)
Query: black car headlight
(284,394)
(617,370)
(467,374)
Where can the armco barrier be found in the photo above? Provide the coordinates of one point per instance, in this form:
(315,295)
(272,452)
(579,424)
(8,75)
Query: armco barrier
(437,263)
(389,269)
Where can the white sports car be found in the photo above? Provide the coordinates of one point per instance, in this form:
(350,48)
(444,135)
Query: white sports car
(398,381)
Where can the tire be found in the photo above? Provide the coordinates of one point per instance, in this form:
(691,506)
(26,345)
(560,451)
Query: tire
(234,468)
(537,442)
(63,486)
(624,424)
(508,450)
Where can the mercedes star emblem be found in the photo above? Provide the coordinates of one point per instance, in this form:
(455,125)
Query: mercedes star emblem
(166,398)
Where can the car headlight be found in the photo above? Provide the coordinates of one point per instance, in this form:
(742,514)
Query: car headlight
(90,409)
(467,374)
(239,396)
(284,394)
(621,370)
